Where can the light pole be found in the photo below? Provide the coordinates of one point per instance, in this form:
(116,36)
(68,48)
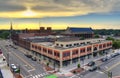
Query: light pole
(8,58)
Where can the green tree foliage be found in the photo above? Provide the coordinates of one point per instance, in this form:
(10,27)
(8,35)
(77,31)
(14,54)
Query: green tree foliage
(4,34)
(110,38)
(47,63)
(107,32)
(78,66)
(116,44)
(96,36)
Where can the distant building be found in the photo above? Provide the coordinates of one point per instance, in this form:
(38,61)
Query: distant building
(79,32)
(18,38)
(41,30)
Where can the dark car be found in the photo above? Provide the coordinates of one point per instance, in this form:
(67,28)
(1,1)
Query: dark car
(92,63)
(34,59)
(114,55)
(104,59)
(29,56)
(93,68)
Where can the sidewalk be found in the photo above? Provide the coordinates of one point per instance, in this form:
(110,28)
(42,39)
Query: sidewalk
(6,70)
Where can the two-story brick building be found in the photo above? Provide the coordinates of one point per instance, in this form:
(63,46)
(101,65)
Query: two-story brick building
(65,52)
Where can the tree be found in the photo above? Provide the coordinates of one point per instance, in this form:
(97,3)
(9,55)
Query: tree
(47,63)
(110,38)
(78,65)
(116,44)
(4,34)
(96,36)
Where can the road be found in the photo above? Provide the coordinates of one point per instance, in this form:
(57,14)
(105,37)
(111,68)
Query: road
(29,68)
(112,65)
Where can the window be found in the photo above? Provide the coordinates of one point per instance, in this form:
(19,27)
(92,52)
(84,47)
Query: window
(61,45)
(66,45)
(70,45)
(95,48)
(74,52)
(39,48)
(82,50)
(100,46)
(77,44)
(57,54)
(104,45)
(32,46)
(49,51)
(88,48)
(44,50)
(35,47)
(65,54)
(57,44)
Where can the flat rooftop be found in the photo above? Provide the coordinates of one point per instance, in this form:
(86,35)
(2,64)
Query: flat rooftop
(53,45)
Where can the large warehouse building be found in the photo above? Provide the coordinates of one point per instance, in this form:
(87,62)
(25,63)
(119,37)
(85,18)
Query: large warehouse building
(67,51)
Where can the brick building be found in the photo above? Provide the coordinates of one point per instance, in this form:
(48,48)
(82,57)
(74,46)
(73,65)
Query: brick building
(65,52)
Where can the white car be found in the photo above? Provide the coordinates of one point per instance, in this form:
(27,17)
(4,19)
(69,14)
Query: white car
(13,66)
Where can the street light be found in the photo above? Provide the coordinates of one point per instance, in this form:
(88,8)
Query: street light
(8,58)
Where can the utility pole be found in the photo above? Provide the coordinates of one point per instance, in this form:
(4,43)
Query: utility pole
(109,74)
(8,59)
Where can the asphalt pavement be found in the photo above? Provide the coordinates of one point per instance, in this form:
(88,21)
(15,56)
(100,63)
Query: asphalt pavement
(29,68)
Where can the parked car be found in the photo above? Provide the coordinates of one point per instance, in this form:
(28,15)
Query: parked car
(34,59)
(108,57)
(93,68)
(92,63)
(104,59)
(14,68)
(29,56)
(118,52)
(114,55)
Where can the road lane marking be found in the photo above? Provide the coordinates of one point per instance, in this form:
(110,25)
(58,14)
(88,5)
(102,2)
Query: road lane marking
(23,60)
(21,50)
(31,70)
(100,72)
(113,66)
(106,67)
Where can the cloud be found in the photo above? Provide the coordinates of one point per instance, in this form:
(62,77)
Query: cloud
(57,8)
(10,6)
(77,7)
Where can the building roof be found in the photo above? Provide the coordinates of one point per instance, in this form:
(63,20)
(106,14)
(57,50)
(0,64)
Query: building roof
(72,29)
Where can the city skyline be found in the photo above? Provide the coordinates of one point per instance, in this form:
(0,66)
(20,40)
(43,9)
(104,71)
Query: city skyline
(59,14)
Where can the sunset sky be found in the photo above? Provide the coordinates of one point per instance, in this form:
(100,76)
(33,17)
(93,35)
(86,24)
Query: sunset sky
(59,14)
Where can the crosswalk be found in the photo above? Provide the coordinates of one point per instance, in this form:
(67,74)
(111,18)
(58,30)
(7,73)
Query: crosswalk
(39,75)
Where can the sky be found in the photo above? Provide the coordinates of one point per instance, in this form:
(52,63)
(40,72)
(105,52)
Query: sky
(60,14)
